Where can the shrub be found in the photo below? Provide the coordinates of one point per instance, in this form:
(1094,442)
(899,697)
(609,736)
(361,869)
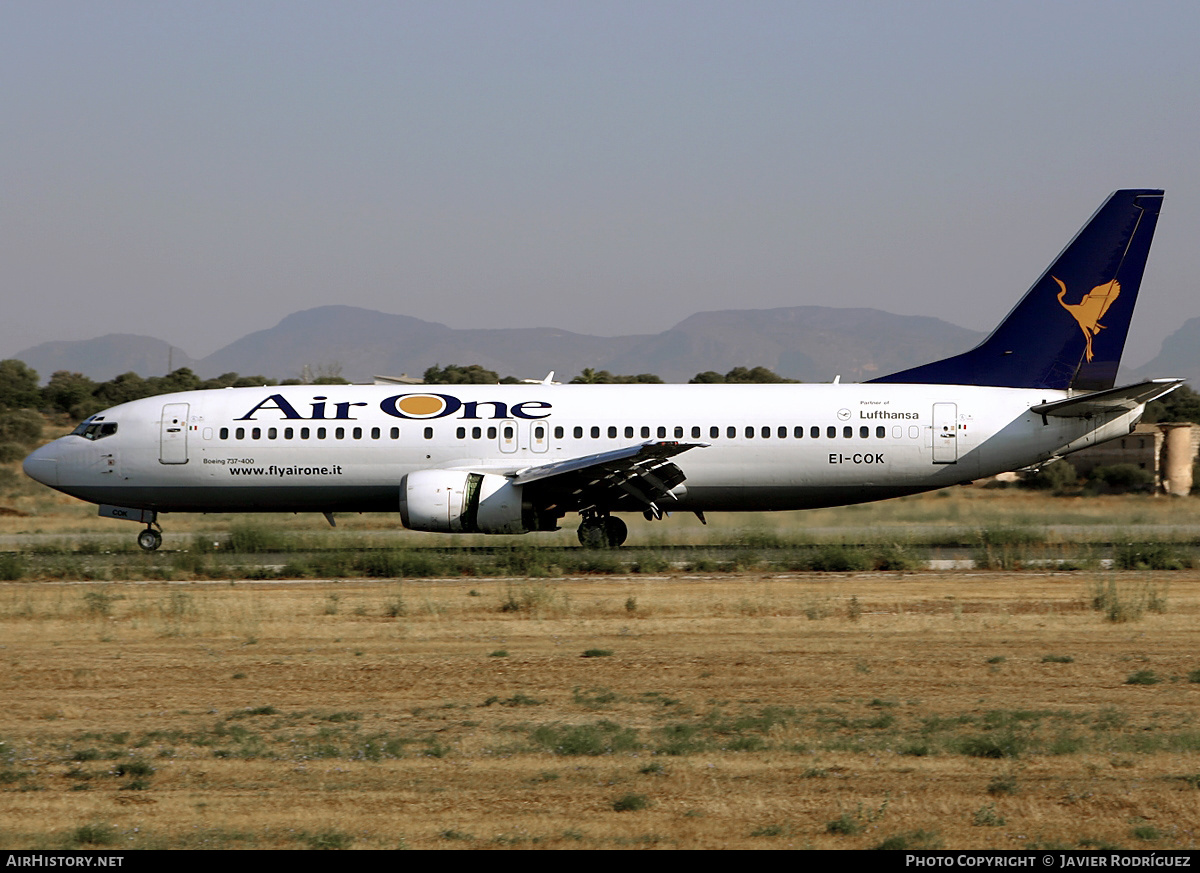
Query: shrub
(1120,479)
(1057,477)
(11,567)
(600,738)
(631,803)
(1143,677)
(22,426)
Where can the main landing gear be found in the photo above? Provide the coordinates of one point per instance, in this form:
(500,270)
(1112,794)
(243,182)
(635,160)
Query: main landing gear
(149,539)
(602,532)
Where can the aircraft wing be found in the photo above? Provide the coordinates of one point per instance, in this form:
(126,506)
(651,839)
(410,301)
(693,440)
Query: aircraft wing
(1106,402)
(635,478)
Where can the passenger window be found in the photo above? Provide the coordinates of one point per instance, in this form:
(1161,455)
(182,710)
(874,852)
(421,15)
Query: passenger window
(256,434)
(558,433)
(321,433)
(476,433)
(461,433)
(491,433)
(714,432)
(628,433)
(831,432)
(395,433)
(241,433)
(358,433)
(880,432)
(695,433)
(645,433)
(782,432)
(749,432)
(224,433)
(272,433)
(428,433)
(766,432)
(731,432)
(864,432)
(814,432)
(304,433)
(662,432)
(578,432)
(595,433)
(847,432)
(339,433)
(288,433)
(798,433)
(375,433)
(612,432)
(678,432)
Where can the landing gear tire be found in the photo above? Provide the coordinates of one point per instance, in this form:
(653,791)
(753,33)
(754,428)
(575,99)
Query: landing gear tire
(149,540)
(606,532)
(615,531)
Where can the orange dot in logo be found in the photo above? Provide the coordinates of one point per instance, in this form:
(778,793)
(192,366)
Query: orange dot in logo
(421,404)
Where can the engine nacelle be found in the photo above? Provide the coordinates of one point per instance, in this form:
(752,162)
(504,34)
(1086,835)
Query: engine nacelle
(453,501)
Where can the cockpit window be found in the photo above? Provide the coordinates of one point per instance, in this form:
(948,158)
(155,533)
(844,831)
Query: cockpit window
(95,429)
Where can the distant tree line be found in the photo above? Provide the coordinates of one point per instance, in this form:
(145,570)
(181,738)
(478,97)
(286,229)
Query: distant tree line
(79,396)
(474,374)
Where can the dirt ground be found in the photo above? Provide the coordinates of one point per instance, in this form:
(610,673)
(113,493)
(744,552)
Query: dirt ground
(950,710)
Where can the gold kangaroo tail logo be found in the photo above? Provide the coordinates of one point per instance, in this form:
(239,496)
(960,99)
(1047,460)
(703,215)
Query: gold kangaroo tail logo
(1091,308)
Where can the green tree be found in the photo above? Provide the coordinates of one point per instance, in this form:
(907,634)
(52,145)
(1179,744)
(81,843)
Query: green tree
(69,392)
(604,377)
(18,385)
(1182,404)
(739,375)
(182,379)
(455,374)
(122,389)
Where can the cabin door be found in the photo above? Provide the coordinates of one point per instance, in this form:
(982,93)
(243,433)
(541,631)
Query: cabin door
(172,434)
(945,433)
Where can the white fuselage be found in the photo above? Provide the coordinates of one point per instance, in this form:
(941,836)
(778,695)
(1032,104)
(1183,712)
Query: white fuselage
(762,447)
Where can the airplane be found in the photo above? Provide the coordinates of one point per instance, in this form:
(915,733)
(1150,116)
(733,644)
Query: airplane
(511,459)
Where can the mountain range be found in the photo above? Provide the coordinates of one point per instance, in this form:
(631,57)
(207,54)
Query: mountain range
(809,343)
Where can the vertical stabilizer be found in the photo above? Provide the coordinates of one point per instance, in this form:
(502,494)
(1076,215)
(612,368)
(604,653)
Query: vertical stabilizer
(1069,329)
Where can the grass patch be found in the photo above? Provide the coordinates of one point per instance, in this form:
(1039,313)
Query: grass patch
(599,738)
(1143,677)
(631,803)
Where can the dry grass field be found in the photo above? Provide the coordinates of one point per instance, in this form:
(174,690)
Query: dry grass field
(752,710)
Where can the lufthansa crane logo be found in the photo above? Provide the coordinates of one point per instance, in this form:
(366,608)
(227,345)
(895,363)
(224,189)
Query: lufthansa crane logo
(1088,311)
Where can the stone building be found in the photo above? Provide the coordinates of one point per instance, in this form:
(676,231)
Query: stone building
(1168,450)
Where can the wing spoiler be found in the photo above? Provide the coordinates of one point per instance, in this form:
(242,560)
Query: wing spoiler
(632,454)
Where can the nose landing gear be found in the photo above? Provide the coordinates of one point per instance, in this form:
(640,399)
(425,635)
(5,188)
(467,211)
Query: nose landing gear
(598,531)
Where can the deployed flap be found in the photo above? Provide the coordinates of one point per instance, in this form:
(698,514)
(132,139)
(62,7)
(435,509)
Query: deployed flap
(1113,400)
(633,478)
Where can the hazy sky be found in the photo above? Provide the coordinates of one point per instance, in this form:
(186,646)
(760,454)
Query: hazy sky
(198,170)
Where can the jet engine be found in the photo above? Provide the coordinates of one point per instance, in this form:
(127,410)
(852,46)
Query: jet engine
(453,501)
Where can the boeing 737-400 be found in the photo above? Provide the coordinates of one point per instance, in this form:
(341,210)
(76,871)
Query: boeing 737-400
(509,459)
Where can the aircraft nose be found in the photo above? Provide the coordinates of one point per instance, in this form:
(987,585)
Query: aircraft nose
(42,465)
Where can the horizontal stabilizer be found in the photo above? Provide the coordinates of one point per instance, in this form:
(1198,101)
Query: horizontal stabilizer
(1107,402)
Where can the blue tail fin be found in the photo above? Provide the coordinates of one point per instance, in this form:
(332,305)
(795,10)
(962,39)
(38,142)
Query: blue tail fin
(1069,329)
